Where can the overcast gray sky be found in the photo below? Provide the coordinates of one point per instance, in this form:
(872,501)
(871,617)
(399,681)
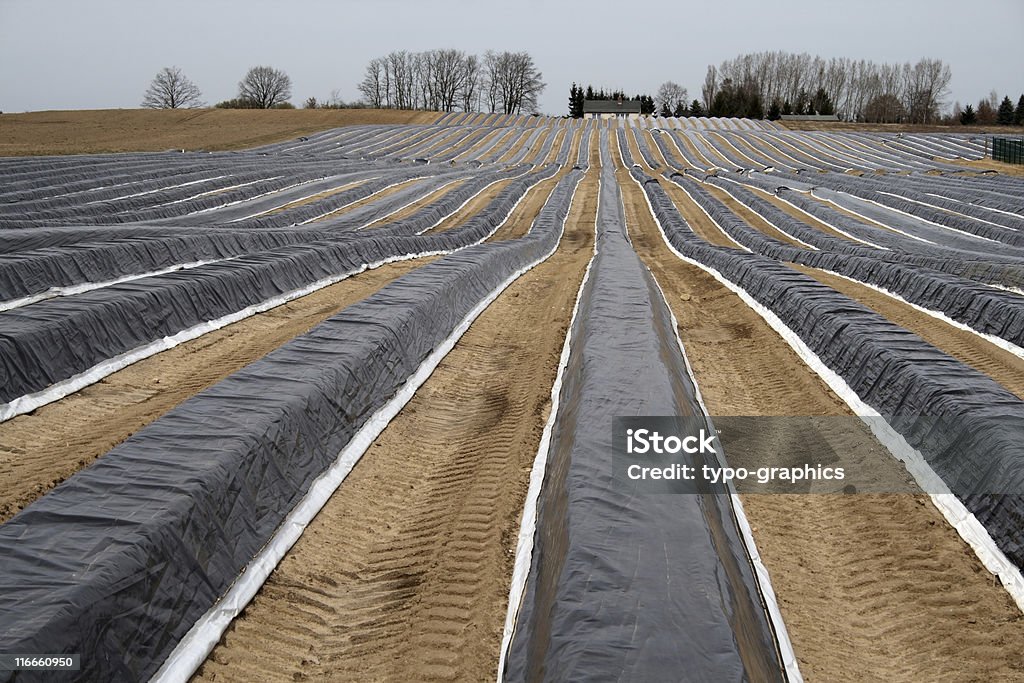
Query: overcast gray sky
(97,54)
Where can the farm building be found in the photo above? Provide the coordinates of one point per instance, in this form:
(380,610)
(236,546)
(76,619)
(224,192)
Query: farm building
(611,109)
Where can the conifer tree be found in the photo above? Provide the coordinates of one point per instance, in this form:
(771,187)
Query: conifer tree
(1004,117)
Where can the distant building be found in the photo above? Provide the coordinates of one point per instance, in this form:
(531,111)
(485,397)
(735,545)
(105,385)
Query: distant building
(809,117)
(610,109)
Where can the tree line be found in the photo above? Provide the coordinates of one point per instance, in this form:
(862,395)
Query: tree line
(577,95)
(988,112)
(855,90)
(436,80)
(449,80)
(772,84)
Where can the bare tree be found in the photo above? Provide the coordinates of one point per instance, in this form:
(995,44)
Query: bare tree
(710,87)
(670,95)
(265,86)
(469,94)
(373,85)
(514,83)
(858,90)
(171,89)
(444,80)
(402,70)
(448,75)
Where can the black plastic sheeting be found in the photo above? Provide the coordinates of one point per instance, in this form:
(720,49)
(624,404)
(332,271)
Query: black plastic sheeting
(57,339)
(994,268)
(983,308)
(980,452)
(120,560)
(627,586)
(101,259)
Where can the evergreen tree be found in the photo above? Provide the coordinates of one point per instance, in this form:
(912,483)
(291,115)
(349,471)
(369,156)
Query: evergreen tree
(590,92)
(1004,117)
(666,110)
(682,110)
(576,101)
(753,109)
(696,109)
(967,116)
(822,103)
(1018,114)
(775,110)
(787,108)
(803,103)
(986,112)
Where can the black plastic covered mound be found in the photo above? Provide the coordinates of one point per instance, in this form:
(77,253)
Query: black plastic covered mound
(120,560)
(74,256)
(626,585)
(983,308)
(57,339)
(990,269)
(1008,230)
(969,429)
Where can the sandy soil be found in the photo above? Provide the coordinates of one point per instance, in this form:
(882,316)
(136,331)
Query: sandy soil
(871,587)
(699,221)
(417,205)
(40,449)
(149,130)
(968,348)
(990,165)
(405,184)
(474,206)
(523,134)
(480,144)
(403,576)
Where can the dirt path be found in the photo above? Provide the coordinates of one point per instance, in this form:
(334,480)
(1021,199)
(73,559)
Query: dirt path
(404,575)
(43,448)
(871,587)
(967,347)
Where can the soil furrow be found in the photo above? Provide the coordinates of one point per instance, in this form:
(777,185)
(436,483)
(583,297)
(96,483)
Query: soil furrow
(411,558)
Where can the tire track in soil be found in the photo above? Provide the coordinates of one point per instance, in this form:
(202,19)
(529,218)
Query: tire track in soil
(871,587)
(41,449)
(404,574)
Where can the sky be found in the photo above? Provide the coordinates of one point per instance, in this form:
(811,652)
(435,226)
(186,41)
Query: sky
(102,54)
